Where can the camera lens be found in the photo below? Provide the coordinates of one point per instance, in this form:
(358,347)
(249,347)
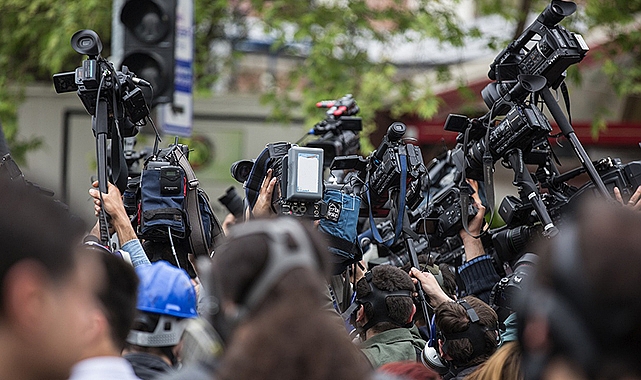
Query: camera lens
(396,131)
(240,170)
(232,202)
(86,42)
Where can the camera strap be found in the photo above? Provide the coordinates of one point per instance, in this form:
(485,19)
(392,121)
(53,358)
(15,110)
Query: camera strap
(401,209)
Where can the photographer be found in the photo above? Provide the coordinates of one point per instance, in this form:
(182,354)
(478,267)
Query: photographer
(384,316)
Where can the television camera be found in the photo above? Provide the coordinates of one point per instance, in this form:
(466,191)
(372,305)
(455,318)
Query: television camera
(114,101)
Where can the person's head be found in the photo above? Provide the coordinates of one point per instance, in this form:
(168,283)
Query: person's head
(48,286)
(270,280)
(166,298)
(117,299)
(385,296)
(256,258)
(505,364)
(583,310)
(468,331)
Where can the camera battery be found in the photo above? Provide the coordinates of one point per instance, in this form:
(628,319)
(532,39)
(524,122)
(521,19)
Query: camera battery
(171,180)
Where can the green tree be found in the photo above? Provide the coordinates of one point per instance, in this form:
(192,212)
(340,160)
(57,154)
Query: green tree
(34,44)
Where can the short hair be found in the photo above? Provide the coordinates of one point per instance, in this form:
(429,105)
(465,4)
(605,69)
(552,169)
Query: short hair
(239,261)
(36,227)
(452,317)
(388,278)
(117,296)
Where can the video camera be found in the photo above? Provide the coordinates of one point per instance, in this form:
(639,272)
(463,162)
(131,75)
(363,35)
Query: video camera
(339,131)
(522,127)
(97,78)
(543,49)
(299,171)
(381,172)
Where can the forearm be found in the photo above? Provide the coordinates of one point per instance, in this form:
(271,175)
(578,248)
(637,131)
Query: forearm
(473,247)
(136,252)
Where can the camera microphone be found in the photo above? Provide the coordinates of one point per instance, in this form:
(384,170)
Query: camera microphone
(141,82)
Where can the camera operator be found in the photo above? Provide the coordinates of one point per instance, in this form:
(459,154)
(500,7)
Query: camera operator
(263,207)
(384,316)
(115,208)
(468,334)
(580,318)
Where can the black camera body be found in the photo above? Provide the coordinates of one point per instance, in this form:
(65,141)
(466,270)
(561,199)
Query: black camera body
(299,174)
(549,55)
(339,131)
(444,218)
(98,79)
(523,127)
(381,172)
(505,294)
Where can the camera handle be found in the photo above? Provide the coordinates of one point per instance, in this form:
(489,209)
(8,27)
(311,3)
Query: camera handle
(409,244)
(568,132)
(523,180)
(99,123)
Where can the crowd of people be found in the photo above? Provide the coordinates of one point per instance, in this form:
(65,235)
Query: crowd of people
(71,308)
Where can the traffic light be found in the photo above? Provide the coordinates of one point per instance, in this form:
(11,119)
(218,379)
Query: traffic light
(148,46)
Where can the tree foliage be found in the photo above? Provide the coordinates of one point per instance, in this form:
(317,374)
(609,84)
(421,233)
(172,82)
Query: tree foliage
(34,44)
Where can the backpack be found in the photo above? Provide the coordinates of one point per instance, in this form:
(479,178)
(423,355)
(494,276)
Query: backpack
(172,204)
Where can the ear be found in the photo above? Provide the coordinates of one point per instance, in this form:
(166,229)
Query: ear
(99,325)
(360,315)
(25,294)
(412,314)
(440,351)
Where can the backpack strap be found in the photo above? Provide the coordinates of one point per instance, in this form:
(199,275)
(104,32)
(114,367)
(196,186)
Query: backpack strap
(197,241)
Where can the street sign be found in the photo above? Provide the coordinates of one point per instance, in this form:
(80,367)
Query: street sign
(177,118)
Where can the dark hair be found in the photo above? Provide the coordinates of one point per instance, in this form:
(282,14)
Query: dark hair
(591,269)
(118,296)
(36,227)
(449,280)
(388,278)
(239,261)
(451,317)
(290,334)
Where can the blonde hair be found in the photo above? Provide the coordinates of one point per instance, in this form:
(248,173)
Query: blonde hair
(505,364)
